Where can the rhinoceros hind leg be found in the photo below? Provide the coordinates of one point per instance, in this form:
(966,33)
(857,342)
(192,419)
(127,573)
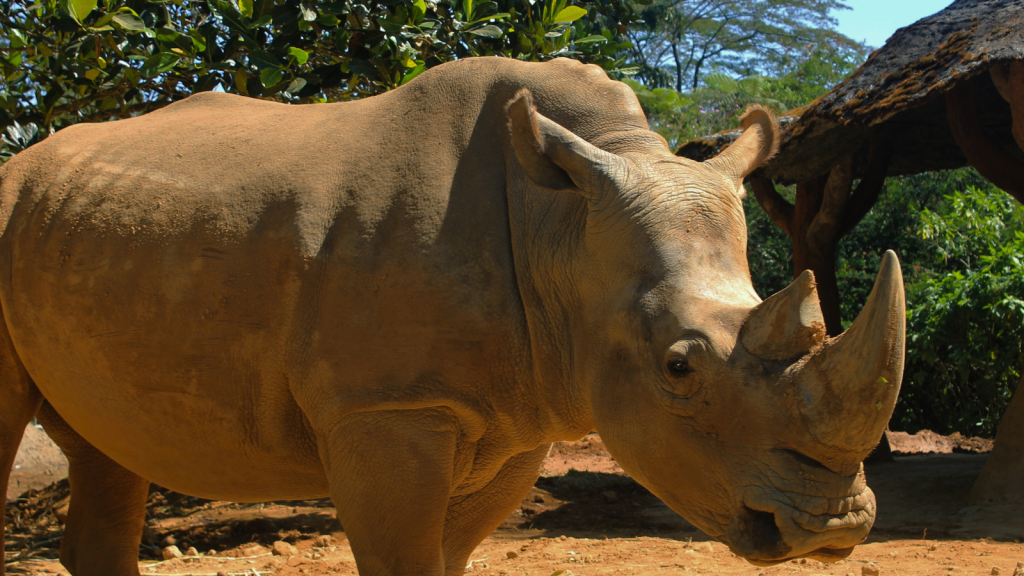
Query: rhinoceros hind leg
(390,474)
(473,517)
(19,401)
(107,509)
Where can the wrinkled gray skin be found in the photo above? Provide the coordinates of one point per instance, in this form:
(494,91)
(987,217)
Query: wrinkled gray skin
(402,301)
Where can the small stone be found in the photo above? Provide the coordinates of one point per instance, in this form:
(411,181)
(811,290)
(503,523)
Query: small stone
(996,571)
(869,570)
(211,553)
(297,561)
(169,541)
(317,556)
(324,541)
(171,552)
(610,496)
(933,548)
(252,550)
(563,538)
(538,499)
(511,555)
(192,551)
(222,573)
(281,548)
(1019,570)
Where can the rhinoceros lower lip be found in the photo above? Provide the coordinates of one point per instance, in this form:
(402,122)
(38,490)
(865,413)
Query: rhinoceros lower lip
(821,555)
(766,533)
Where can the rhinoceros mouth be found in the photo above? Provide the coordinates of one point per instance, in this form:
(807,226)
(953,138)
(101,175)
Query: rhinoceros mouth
(766,531)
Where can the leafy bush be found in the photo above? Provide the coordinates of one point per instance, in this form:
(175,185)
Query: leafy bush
(965,316)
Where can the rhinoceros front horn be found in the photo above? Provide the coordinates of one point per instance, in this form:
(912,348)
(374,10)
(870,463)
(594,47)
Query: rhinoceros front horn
(846,390)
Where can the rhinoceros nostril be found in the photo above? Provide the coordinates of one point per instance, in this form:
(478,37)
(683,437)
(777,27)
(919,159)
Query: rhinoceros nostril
(754,535)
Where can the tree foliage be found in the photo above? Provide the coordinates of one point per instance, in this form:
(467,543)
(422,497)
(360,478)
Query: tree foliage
(678,42)
(721,98)
(68,61)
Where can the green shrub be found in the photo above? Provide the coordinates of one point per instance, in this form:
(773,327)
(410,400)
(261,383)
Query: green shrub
(965,316)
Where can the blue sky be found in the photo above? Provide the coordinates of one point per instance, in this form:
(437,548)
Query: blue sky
(873,21)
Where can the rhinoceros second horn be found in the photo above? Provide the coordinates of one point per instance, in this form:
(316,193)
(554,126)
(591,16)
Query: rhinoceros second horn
(787,325)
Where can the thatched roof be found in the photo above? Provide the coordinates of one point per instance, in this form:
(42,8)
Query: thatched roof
(898,92)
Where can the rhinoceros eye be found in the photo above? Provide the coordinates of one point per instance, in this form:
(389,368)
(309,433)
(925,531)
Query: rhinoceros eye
(679,367)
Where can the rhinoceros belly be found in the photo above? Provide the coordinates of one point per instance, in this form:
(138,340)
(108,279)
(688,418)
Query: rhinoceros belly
(169,353)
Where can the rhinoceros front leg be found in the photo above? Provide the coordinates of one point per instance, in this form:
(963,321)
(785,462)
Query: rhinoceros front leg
(472,517)
(390,475)
(107,509)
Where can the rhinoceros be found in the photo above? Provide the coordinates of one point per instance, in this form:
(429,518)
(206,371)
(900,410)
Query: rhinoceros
(401,302)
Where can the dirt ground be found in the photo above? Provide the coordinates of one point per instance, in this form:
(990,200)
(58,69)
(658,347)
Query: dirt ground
(584,517)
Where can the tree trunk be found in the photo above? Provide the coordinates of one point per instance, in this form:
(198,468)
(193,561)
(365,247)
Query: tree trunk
(1003,475)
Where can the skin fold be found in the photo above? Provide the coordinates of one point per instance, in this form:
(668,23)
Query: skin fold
(401,302)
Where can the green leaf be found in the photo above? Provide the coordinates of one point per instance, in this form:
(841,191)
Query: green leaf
(129,22)
(296,85)
(79,9)
(261,22)
(591,38)
(165,34)
(197,40)
(419,9)
(329,20)
(159,63)
(300,55)
(490,31)
(92,73)
(262,59)
(245,7)
(231,17)
(413,73)
(271,77)
(570,14)
(882,380)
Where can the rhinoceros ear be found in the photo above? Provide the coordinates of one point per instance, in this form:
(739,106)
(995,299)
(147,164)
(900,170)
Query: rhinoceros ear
(554,157)
(754,147)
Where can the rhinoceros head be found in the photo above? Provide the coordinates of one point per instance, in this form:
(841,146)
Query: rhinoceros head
(741,415)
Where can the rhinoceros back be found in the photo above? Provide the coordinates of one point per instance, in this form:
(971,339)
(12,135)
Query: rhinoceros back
(225,271)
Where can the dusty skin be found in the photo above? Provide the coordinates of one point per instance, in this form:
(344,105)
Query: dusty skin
(401,302)
(611,526)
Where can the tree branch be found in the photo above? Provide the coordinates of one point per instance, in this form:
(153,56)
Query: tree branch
(824,229)
(778,208)
(871,184)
